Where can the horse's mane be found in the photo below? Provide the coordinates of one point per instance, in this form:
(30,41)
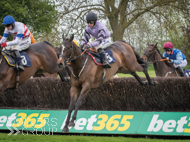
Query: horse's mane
(139,59)
(166,62)
(48,43)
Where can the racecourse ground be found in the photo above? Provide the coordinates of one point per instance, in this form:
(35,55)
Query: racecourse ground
(4,137)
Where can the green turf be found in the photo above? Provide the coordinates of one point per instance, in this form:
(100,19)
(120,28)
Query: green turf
(73,138)
(151,72)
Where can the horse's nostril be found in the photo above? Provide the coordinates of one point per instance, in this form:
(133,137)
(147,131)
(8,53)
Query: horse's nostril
(60,65)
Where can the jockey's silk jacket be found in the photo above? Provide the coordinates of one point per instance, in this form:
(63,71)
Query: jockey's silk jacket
(99,31)
(177,56)
(20,31)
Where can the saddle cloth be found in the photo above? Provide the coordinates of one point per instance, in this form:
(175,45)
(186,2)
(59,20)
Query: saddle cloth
(12,60)
(99,58)
(186,72)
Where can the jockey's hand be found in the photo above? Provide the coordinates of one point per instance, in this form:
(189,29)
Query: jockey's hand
(4,44)
(170,60)
(81,46)
(86,47)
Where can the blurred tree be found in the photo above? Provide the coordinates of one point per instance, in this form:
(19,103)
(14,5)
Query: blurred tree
(38,15)
(120,13)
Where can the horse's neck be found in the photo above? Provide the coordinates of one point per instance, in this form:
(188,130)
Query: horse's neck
(160,67)
(78,63)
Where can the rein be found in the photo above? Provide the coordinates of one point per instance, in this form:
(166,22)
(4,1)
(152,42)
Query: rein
(68,61)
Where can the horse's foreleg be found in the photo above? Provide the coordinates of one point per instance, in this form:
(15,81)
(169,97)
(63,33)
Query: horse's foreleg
(73,95)
(82,96)
(148,77)
(138,78)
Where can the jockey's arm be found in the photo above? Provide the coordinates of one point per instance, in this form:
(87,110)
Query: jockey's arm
(85,38)
(179,58)
(101,36)
(18,38)
(4,38)
(164,54)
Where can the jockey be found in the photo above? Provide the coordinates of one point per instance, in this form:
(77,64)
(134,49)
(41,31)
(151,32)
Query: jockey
(176,57)
(32,38)
(100,32)
(22,40)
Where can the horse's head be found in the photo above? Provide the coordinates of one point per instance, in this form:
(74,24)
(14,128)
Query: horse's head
(68,50)
(149,52)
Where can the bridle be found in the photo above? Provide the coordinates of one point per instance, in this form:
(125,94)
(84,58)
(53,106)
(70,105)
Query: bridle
(152,55)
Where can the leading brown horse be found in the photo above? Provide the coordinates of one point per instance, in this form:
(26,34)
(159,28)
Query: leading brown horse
(87,75)
(161,66)
(43,57)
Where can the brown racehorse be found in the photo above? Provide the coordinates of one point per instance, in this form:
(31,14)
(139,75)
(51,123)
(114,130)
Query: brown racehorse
(45,74)
(87,75)
(161,66)
(43,57)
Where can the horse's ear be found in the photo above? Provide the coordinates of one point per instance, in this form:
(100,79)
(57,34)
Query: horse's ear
(63,37)
(72,37)
(148,44)
(155,45)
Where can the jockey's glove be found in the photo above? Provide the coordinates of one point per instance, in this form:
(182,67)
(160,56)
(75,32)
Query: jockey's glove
(81,46)
(86,47)
(170,60)
(4,44)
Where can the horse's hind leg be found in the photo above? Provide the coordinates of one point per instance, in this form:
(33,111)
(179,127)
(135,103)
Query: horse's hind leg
(138,78)
(148,77)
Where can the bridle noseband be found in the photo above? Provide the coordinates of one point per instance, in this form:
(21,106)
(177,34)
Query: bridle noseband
(152,54)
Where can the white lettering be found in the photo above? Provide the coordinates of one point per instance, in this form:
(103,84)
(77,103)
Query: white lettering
(3,119)
(181,123)
(91,120)
(80,123)
(10,119)
(169,124)
(154,122)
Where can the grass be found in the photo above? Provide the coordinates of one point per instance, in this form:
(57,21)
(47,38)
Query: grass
(151,72)
(4,137)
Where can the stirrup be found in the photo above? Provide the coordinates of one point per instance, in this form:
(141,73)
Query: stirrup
(106,65)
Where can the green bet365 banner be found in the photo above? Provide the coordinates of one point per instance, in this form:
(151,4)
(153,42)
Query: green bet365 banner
(106,122)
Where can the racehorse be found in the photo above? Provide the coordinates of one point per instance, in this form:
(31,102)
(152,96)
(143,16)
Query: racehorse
(43,58)
(161,66)
(87,75)
(46,74)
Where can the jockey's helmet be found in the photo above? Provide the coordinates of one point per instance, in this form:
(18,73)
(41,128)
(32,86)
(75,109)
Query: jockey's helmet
(91,17)
(8,20)
(168,45)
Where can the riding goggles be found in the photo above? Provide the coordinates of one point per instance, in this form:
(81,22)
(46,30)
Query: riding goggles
(8,25)
(91,22)
(168,49)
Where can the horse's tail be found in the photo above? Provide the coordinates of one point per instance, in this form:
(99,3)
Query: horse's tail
(142,62)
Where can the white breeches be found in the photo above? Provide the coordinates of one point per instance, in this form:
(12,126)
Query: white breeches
(105,43)
(24,44)
(182,65)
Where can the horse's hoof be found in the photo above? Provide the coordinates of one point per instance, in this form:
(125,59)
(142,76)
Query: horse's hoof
(65,130)
(145,83)
(153,83)
(71,124)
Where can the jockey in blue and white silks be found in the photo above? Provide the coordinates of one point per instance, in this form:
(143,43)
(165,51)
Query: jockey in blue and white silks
(22,34)
(100,32)
(175,56)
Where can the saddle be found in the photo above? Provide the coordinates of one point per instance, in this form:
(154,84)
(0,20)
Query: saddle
(99,58)
(12,60)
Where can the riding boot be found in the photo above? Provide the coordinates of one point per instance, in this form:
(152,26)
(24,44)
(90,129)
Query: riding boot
(105,63)
(180,71)
(19,65)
